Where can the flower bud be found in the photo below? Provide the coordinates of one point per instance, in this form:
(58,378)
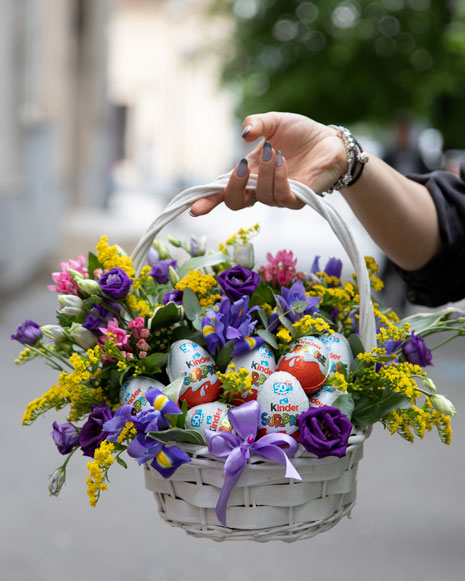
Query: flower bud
(429,384)
(442,404)
(174,277)
(76,275)
(244,255)
(161,249)
(82,336)
(53,332)
(56,482)
(70,305)
(89,286)
(174,241)
(198,248)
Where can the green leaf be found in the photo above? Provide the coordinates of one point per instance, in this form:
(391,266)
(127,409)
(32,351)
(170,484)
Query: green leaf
(299,306)
(191,304)
(287,324)
(121,462)
(368,411)
(269,337)
(345,403)
(165,316)
(174,389)
(355,344)
(265,294)
(263,317)
(179,435)
(421,321)
(224,356)
(182,332)
(154,362)
(199,262)
(93,263)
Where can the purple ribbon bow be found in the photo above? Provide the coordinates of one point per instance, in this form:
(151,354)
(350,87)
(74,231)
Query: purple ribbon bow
(236,449)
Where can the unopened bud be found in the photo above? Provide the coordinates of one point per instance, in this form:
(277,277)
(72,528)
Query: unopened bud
(76,275)
(56,482)
(174,241)
(442,404)
(70,305)
(429,383)
(244,255)
(174,277)
(161,249)
(53,332)
(89,286)
(82,336)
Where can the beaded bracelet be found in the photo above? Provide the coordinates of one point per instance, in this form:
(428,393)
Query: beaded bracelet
(356,159)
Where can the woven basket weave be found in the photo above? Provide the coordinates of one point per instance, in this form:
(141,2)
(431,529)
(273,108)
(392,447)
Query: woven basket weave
(264,505)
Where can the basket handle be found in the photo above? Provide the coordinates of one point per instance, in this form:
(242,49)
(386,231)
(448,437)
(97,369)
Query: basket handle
(184,200)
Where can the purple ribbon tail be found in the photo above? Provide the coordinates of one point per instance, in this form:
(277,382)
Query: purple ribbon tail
(230,482)
(269,448)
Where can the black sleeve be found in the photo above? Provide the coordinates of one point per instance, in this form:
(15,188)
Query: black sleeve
(442,280)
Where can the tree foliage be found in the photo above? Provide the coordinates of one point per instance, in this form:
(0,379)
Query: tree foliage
(346,61)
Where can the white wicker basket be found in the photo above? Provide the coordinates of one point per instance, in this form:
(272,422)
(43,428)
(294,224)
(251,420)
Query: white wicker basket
(264,505)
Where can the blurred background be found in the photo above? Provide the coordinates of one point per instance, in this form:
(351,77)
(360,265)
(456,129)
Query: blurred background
(108,108)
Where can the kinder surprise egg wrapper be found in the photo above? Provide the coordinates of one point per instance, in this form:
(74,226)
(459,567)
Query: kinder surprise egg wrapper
(132,391)
(260,363)
(327,395)
(308,361)
(189,360)
(340,353)
(209,416)
(281,399)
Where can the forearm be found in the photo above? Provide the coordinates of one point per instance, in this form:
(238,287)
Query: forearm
(398,213)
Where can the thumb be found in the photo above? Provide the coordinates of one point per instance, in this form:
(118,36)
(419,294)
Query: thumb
(261,125)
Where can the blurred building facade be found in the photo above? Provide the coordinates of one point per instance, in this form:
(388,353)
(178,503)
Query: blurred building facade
(54,141)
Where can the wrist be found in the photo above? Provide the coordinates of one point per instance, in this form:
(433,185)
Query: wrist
(351,157)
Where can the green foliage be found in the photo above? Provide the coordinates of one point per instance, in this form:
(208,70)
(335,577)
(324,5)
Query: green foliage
(347,61)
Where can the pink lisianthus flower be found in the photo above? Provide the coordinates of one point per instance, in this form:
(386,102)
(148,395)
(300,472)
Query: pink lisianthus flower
(280,269)
(64,281)
(117,336)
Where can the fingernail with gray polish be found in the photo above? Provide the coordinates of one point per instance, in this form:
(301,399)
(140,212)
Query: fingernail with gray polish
(242,168)
(191,213)
(246,130)
(279,158)
(267,151)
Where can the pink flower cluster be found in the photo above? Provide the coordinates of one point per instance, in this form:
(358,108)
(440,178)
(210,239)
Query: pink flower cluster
(136,326)
(117,336)
(280,269)
(64,282)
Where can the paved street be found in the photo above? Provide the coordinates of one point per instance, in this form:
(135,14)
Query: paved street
(408,522)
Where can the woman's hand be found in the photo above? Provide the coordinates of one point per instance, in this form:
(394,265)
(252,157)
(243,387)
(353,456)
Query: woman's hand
(295,147)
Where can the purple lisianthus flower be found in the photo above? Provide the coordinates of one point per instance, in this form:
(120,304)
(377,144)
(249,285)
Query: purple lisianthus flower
(161,270)
(333,267)
(115,283)
(324,431)
(99,314)
(416,351)
(92,432)
(28,333)
(65,436)
(174,296)
(238,281)
(152,256)
(232,322)
(286,300)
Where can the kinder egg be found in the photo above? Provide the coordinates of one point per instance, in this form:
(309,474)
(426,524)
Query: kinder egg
(260,363)
(210,416)
(132,391)
(308,361)
(340,353)
(324,396)
(189,360)
(281,399)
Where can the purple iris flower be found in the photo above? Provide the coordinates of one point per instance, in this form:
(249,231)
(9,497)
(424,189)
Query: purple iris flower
(161,270)
(333,267)
(416,351)
(233,321)
(92,432)
(238,281)
(286,300)
(28,333)
(115,283)
(99,314)
(65,436)
(174,296)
